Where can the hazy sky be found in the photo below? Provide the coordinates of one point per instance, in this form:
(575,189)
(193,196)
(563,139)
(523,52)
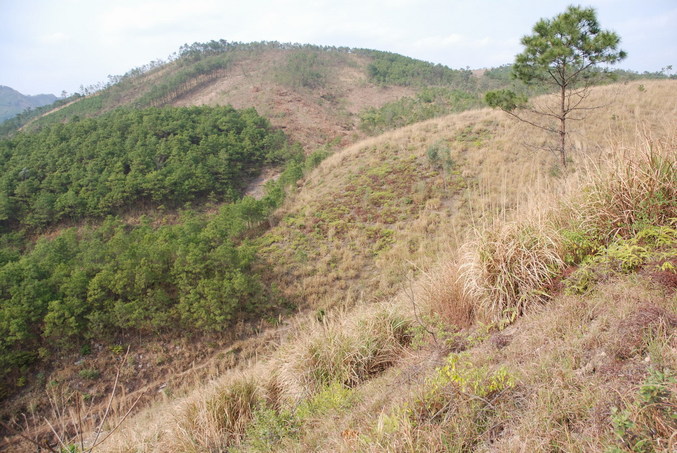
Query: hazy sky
(47,46)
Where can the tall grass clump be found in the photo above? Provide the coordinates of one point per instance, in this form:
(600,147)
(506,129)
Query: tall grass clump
(509,264)
(344,350)
(637,190)
(218,419)
(443,294)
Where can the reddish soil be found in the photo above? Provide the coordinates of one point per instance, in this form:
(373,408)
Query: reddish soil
(311,117)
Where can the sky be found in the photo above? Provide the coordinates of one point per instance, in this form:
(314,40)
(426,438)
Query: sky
(51,46)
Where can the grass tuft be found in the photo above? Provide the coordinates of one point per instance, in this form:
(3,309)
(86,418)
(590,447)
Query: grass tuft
(638,190)
(347,351)
(219,419)
(508,266)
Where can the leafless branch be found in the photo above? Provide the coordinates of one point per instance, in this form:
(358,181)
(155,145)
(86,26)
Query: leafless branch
(26,438)
(539,126)
(419,321)
(112,395)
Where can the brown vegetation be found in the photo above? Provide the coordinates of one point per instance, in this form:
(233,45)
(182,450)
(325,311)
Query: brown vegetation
(465,350)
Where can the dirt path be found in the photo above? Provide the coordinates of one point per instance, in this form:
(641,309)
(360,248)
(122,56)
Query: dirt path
(256,188)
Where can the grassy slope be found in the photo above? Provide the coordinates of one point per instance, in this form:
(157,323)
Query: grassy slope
(311,115)
(376,209)
(566,363)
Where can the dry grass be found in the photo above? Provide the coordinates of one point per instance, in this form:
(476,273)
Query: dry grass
(566,379)
(565,383)
(511,264)
(337,246)
(341,350)
(217,419)
(507,268)
(639,189)
(443,294)
(346,349)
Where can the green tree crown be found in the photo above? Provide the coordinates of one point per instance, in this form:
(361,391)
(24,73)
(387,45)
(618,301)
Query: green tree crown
(563,49)
(563,52)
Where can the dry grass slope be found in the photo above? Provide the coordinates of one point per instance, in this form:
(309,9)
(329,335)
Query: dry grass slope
(494,348)
(375,210)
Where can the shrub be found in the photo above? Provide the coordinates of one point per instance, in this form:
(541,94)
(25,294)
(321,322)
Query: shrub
(90,374)
(648,424)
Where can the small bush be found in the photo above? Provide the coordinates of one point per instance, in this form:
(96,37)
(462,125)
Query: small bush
(270,427)
(90,374)
(624,256)
(649,423)
(439,156)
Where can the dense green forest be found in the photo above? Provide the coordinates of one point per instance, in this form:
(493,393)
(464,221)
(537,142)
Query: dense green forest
(163,273)
(94,283)
(99,166)
(427,103)
(395,69)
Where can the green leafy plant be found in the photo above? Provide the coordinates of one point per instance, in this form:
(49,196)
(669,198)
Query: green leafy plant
(470,379)
(90,374)
(648,423)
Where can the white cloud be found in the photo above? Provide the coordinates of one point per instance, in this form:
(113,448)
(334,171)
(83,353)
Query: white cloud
(92,38)
(127,20)
(54,38)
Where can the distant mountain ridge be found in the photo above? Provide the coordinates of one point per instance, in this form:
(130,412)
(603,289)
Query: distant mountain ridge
(13,102)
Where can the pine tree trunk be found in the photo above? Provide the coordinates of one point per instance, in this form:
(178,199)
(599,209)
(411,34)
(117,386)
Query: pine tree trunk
(563,127)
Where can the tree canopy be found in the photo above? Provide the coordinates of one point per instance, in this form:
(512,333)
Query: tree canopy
(564,52)
(99,166)
(563,49)
(158,274)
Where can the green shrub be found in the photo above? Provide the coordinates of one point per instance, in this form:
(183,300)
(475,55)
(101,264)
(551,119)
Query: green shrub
(622,255)
(90,374)
(429,103)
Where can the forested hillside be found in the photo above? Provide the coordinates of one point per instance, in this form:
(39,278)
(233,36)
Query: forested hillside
(181,273)
(316,93)
(126,158)
(510,304)
(123,223)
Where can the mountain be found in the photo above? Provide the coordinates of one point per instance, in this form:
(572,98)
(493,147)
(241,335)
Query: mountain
(497,306)
(316,94)
(12,102)
(413,274)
